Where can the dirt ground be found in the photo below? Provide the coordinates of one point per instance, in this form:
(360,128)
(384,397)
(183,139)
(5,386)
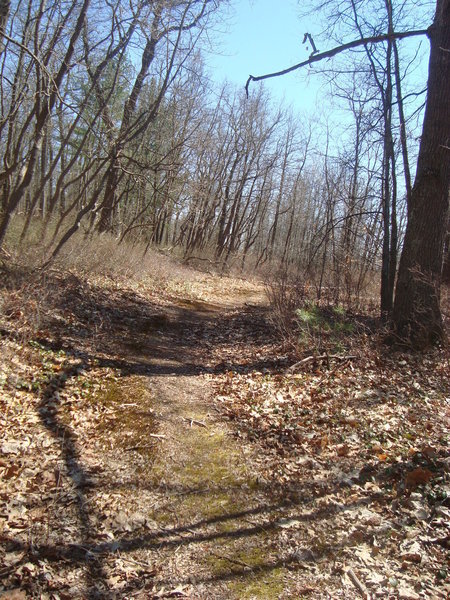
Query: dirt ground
(126,473)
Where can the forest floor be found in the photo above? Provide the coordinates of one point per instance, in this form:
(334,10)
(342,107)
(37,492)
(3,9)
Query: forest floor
(160,443)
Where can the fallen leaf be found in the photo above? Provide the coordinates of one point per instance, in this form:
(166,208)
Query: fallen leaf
(343,450)
(418,477)
(14,595)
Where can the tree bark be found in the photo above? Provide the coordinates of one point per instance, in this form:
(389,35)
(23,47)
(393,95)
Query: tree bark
(417,315)
(5,6)
(42,111)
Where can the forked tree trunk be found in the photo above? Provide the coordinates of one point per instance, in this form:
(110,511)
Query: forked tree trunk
(42,112)
(417,315)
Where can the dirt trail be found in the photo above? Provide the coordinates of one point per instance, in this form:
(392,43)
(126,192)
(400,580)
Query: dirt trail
(211,507)
(127,482)
(212,519)
(121,477)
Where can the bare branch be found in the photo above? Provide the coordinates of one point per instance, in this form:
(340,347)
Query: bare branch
(376,39)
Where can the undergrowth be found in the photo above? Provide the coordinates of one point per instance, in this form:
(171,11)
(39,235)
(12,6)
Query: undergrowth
(308,325)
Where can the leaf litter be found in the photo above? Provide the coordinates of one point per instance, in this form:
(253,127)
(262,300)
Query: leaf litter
(349,488)
(364,449)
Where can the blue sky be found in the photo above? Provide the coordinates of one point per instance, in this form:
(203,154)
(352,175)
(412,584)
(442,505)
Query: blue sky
(263,36)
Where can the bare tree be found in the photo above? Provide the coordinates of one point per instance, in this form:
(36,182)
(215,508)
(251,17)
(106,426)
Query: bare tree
(417,315)
(46,95)
(416,309)
(5,6)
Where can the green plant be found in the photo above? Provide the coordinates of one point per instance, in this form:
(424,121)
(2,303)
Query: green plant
(322,327)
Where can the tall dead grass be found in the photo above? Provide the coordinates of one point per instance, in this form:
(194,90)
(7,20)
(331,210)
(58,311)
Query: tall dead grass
(94,256)
(29,290)
(29,285)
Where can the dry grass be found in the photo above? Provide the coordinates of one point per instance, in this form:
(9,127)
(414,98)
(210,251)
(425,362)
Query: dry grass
(306,322)
(31,295)
(102,258)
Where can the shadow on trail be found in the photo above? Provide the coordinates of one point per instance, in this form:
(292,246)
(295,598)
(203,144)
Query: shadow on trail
(80,479)
(135,337)
(122,331)
(270,516)
(94,555)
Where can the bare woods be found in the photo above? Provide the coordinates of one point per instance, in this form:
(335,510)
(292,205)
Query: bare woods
(110,125)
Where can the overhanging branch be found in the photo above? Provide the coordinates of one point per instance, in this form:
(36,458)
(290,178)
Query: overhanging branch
(376,39)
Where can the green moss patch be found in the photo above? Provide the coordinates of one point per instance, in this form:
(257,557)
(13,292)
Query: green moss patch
(208,491)
(250,571)
(216,493)
(125,416)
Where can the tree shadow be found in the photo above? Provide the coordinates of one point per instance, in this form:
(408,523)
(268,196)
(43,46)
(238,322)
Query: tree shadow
(133,336)
(94,554)
(136,337)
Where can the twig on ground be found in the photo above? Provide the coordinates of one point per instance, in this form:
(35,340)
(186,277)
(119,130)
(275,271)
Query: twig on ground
(308,359)
(357,583)
(140,563)
(241,563)
(139,447)
(143,446)
(194,422)
(331,372)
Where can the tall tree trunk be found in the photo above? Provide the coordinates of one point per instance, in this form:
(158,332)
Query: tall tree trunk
(42,111)
(394,232)
(5,6)
(417,315)
(387,280)
(401,116)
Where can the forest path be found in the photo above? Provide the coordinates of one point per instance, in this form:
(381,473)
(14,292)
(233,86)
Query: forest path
(211,521)
(156,496)
(120,478)
(124,476)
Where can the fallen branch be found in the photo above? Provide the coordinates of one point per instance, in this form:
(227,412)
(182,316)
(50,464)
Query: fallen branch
(130,448)
(234,561)
(159,436)
(150,568)
(194,422)
(304,361)
(308,359)
(357,583)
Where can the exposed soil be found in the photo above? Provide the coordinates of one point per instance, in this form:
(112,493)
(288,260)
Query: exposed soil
(124,479)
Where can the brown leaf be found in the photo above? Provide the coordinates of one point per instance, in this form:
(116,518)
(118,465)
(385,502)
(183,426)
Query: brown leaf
(14,595)
(343,450)
(11,471)
(418,477)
